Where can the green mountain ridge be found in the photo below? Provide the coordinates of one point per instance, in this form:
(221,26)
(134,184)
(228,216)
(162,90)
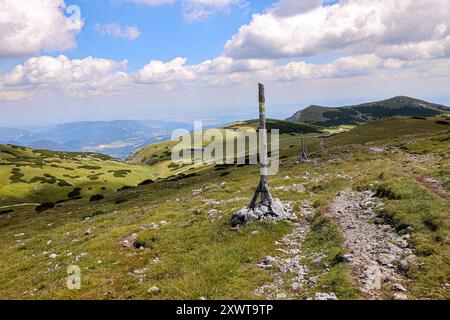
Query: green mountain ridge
(363,113)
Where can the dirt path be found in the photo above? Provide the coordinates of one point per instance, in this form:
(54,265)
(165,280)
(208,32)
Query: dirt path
(432,185)
(20,205)
(373,249)
(288,263)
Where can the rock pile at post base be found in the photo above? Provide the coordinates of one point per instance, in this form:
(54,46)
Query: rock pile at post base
(283,211)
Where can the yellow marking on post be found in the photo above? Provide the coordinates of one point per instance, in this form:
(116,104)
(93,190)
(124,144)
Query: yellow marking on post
(262,108)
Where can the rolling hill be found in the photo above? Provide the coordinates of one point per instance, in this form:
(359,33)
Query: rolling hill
(158,155)
(362,113)
(38,176)
(174,234)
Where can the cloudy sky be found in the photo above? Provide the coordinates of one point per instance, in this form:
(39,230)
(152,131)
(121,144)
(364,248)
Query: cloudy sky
(70,60)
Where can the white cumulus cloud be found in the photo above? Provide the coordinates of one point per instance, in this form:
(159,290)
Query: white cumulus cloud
(401,39)
(93,76)
(158,71)
(71,77)
(118,31)
(152,2)
(195,10)
(353,26)
(27,27)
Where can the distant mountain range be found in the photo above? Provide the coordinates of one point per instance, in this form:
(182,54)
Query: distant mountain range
(115,138)
(362,113)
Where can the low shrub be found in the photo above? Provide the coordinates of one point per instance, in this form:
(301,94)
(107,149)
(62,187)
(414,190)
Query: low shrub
(120,200)
(385,191)
(147,240)
(63,183)
(96,197)
(431,222)
(124,188)
(146,182)
(74,193)
(16,176)
(425,250)
(45,206)
(94,177)
(120,173)
(93,214)
(88,167)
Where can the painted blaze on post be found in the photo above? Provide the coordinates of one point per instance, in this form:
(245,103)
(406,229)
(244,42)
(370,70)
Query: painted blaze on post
(229,146)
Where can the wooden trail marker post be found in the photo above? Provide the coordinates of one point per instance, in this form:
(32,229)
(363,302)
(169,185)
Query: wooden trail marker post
(304,157)
(262,189)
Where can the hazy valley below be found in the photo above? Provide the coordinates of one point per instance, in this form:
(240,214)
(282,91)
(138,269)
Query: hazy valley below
(114,138)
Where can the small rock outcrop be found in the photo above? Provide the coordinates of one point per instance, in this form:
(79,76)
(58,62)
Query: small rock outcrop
(325,296)
(281,212)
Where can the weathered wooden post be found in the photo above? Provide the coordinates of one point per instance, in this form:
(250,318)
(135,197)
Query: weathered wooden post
(262,188)
(304,156)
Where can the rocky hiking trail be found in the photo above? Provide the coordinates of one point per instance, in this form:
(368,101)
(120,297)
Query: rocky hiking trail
(289,262)
(373,249)
(377,255)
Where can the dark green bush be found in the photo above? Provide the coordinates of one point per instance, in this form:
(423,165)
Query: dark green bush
(146,182)
(74,193)
(94,177)
(385,191)
(16,176)
(431,222)
(124,188)
(88,167)
(120,173)
(425,250)
(96,197)
(63,183)
(93,214)
(45,206)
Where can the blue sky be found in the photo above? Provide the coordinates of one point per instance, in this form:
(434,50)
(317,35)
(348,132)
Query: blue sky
(194,59)
(164,34)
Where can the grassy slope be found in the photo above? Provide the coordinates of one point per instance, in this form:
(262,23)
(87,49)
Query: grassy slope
(28,175)
(158,155)
(387,130)
(199,254)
